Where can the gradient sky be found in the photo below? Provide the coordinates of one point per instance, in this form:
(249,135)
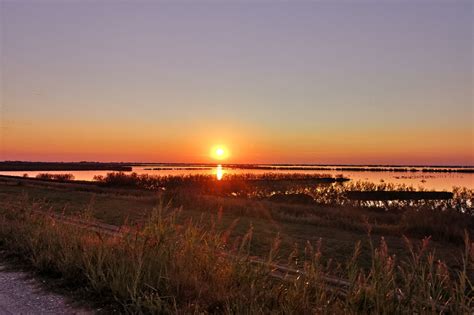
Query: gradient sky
(354,82)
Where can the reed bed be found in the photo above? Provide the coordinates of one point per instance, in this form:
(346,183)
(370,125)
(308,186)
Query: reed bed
(324,189)
(325,204)
(56,177)
(462,201)
(166,267)
(200,183)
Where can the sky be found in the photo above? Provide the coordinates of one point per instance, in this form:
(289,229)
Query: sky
(327,82)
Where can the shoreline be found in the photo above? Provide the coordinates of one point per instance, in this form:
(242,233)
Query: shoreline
(23,166)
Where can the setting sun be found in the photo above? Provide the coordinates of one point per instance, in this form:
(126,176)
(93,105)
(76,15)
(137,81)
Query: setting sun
(219,153)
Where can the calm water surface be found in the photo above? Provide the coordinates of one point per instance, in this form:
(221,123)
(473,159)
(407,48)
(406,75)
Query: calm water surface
(436,181)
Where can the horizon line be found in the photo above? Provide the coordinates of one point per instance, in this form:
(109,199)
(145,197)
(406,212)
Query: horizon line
(243,164)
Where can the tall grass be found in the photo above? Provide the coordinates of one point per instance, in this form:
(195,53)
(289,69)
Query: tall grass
(324,189)
(462,201)
(233,182)
(166,267)
(57,177)
(248,195)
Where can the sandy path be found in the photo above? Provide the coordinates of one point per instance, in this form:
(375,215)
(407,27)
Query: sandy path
(21,294)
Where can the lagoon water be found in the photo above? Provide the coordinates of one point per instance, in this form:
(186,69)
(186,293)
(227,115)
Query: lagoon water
(426,180)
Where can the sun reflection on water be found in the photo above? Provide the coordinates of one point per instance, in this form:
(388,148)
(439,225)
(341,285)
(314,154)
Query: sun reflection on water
(219,172)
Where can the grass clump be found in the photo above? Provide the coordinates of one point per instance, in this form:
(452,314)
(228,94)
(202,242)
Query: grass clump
(57,177)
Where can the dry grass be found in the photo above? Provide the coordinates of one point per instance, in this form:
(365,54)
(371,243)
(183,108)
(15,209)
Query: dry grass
(57,177)
(166,267)
(324,189)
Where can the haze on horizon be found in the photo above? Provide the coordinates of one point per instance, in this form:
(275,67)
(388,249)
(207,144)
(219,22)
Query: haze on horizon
(362,82)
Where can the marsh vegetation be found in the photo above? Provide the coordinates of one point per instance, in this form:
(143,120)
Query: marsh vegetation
(167,267)
(186,246)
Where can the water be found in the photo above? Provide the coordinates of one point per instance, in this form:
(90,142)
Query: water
(431,181)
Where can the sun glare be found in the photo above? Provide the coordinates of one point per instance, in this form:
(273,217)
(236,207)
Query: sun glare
(219,153)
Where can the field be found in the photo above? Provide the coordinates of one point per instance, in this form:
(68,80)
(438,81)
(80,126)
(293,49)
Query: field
(267,218)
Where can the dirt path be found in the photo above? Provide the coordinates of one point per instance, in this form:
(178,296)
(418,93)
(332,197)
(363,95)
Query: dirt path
(22,294)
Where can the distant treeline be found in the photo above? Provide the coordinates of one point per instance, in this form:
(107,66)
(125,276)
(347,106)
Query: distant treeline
(308,167)
(62,166)
(92,166)
(178,168)
(353,169)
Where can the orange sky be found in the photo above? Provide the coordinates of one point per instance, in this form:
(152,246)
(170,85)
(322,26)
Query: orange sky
(70,141)
(288,82)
